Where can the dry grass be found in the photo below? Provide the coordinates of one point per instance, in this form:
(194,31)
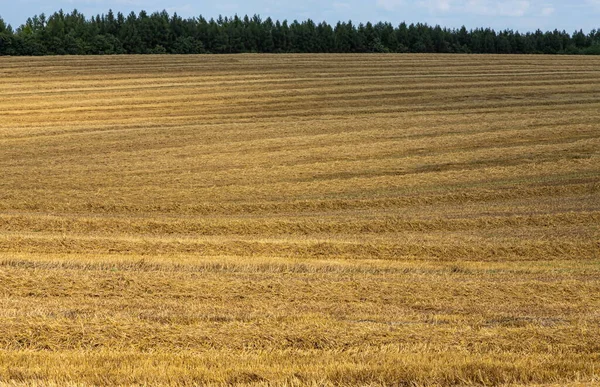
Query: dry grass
(300,220)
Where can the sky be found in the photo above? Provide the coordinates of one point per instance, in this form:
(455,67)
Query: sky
(522,15)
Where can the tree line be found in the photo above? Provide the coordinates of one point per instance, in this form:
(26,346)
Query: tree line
(161,33)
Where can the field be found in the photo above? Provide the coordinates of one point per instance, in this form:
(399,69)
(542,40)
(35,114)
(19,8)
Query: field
(410,220)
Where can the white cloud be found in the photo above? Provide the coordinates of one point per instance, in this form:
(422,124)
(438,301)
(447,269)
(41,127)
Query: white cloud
(436,5)
(339,5)
(443,5)
(507,8)
(594,4)
(389,5)
(227,8)
(108,3)
(181,9)
(512,8)
(547,11)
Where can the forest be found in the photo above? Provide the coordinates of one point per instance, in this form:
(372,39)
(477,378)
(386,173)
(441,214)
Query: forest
(161,33)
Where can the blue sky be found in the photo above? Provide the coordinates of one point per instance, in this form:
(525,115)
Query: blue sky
(522,15)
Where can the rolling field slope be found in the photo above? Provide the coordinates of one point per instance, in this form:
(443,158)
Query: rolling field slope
(300,220)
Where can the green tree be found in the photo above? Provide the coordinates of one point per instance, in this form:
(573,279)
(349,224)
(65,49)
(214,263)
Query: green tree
(73,33)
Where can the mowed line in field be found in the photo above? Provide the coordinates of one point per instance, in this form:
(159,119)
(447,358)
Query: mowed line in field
(212,102)
(386,153)
(415,126)
(133,121)
(280,88)
(435,92)
(300,219)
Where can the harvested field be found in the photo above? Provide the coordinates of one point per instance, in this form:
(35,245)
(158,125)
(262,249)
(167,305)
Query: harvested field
(412,220)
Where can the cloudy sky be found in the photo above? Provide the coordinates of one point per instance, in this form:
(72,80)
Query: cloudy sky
(522,15)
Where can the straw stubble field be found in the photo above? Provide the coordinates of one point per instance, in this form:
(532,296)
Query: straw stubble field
(311,219)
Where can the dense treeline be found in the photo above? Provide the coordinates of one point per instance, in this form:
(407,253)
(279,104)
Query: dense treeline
(71,33)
